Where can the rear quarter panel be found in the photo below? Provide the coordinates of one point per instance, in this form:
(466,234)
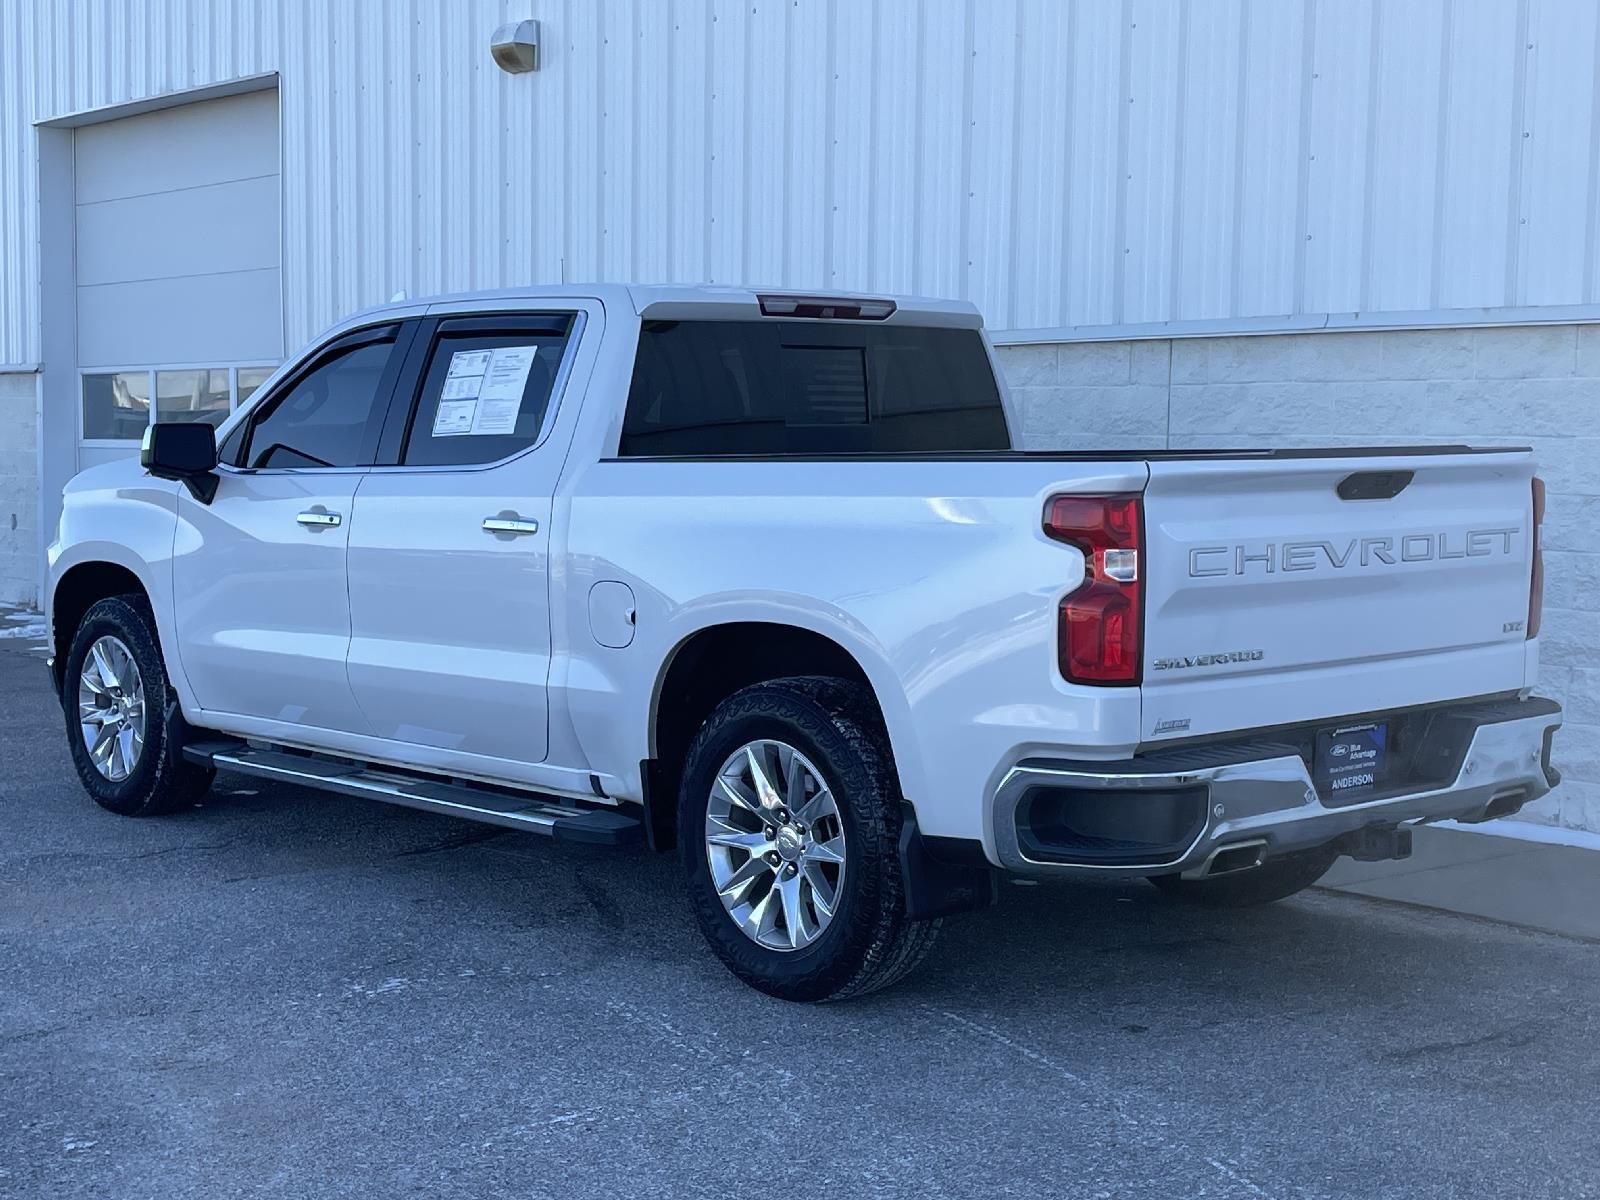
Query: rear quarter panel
(935,576)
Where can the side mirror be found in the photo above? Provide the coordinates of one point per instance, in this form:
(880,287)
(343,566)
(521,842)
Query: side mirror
(185,451)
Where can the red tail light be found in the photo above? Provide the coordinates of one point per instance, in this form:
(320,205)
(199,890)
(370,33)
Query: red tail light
(1100,624)
(1536,591)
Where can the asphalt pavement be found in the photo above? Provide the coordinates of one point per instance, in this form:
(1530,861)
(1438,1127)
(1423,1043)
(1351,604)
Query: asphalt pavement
(290,994)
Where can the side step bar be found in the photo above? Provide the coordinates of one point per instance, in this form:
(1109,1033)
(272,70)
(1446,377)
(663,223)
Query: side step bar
(534,813)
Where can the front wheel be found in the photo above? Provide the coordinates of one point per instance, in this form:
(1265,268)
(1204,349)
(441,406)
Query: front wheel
(789,824)
(115,695)
(1276,879)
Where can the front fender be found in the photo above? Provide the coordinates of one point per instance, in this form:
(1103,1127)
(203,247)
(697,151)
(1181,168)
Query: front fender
(142,513)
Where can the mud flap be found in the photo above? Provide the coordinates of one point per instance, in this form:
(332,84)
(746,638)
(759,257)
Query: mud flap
(936,887)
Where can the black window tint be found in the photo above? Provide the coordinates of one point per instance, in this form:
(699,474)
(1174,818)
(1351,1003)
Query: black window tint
(485,394)
(228,452)
(824,385)
(767,387)
(323,420)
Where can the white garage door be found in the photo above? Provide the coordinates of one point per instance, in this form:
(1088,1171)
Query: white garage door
(177,228)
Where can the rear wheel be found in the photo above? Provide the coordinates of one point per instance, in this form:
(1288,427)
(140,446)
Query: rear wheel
(789,824)
(1275,879)
(115,696)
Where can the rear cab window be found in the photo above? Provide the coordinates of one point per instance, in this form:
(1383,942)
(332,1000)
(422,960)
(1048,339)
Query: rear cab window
(768,387)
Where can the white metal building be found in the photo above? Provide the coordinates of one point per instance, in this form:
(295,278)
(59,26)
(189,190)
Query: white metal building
(1404,194)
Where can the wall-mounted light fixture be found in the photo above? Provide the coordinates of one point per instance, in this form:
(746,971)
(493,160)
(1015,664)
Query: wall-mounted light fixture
(515,47)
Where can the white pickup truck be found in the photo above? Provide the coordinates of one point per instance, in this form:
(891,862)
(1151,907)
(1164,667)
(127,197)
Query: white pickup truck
(762,577)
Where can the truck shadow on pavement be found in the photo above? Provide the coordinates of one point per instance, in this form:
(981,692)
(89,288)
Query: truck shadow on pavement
(1116,947)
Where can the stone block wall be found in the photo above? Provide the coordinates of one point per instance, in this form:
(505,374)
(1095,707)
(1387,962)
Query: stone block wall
(19,489)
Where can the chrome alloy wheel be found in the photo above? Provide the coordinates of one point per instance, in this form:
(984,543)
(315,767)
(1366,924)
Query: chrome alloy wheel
(111,708)
(775,842)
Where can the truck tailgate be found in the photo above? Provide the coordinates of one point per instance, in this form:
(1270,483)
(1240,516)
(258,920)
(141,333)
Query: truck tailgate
(1273,599)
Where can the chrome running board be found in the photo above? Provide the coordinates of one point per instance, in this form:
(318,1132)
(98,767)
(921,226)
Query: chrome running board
(553,817)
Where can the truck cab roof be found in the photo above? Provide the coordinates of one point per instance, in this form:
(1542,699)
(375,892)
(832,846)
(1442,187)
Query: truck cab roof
(702,301)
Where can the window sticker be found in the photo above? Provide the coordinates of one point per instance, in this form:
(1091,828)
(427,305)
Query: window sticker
(458,401)
(501,397)
(469,362)
(482,392)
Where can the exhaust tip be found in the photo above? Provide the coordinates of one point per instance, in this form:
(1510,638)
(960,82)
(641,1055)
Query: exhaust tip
(1230,860)
(1502,804)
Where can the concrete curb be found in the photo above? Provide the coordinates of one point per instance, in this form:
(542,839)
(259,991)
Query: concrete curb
(1518,880)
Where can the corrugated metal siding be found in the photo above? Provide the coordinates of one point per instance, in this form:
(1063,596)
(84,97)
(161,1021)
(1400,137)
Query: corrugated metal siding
(1102,163)
(19,209)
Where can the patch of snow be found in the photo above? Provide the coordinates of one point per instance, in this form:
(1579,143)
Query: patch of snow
(30,625)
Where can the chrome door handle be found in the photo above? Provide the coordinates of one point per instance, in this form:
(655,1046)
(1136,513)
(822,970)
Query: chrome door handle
(319,520)
(512,525)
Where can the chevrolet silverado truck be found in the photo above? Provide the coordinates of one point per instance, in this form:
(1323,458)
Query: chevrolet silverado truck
(762,577)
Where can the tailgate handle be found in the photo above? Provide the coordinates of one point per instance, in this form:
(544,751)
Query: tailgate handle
(1374,485)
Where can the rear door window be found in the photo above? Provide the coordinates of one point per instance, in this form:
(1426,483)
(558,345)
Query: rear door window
(486,391)
(768,387)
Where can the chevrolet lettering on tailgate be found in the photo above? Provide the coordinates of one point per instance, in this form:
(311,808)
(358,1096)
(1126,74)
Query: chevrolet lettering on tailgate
(1241,559)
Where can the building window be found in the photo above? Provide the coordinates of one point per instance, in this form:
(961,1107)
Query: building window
(193,395)
(117,404)
(250,378)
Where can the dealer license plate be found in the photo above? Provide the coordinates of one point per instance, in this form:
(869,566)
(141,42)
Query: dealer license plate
(1350,762)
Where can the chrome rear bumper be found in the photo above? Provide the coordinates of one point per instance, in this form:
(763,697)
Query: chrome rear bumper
(1272,800)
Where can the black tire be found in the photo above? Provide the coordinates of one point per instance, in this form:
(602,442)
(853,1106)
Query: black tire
(161,781)
(869,942)
(1276,879)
